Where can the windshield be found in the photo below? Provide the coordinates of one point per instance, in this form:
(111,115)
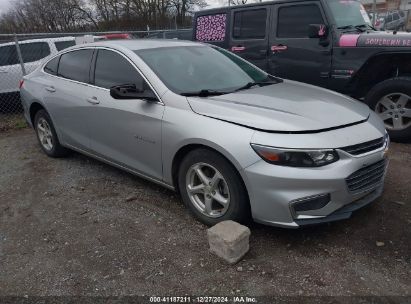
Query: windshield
(348,13)
(197,68)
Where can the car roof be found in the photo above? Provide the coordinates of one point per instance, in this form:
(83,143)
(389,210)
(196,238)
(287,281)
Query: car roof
(140,44)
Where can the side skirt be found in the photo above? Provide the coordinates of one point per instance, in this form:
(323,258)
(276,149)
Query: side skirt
(122,167)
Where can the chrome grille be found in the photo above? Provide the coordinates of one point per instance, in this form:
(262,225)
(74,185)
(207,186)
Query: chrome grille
(366,178)
(364,147)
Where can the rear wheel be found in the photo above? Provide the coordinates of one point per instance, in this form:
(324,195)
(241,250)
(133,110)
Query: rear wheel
(47,136)
(391,100)
(212,189)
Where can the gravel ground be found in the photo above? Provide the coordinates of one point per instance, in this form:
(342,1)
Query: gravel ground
(76,226)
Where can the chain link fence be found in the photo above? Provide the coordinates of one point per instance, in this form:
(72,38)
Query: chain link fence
(21,54)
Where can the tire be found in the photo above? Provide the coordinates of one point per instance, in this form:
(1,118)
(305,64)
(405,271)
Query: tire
(230,186)
(47,136)
(393,89)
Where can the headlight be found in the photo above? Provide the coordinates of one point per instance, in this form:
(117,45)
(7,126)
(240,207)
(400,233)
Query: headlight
(387,139)
(386,142)
(296,158)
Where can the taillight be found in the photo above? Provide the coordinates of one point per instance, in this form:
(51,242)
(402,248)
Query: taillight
(21,83)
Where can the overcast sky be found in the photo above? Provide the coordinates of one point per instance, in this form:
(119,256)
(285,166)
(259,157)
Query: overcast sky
(4,5)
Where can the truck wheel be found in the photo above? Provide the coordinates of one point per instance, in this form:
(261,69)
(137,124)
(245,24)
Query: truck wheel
(391,100)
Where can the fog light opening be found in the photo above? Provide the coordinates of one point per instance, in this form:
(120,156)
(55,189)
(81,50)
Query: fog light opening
(311,203)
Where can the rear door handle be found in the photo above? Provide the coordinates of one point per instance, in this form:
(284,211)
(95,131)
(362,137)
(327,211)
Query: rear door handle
(50,89)
(238,48)
(93,100)
(279,48)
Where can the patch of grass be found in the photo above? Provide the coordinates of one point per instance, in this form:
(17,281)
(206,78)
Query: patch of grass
(20,124)
(12,122)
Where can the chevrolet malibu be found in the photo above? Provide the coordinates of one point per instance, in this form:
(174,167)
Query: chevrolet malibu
(234,141)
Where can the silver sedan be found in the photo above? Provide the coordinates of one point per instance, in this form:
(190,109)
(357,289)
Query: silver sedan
(235,142)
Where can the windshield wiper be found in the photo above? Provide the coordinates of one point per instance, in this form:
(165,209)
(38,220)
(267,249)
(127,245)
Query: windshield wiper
(255,83)
(352,27)
(203,93)
(206,93)
(366,26)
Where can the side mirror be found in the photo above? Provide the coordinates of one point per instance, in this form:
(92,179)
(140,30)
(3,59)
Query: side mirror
(317,31)
(130,91)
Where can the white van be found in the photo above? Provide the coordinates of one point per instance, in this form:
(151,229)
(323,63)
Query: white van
(33,52)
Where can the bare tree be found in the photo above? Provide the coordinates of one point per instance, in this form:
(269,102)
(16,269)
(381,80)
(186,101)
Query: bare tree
(79,15)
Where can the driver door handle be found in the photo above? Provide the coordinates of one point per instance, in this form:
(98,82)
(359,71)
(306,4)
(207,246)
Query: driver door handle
(93,100)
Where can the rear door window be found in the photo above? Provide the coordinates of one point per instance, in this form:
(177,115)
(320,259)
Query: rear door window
(250,24)
(61,45)
(8,55)
(389,18)
(76,65)
(396,16)
(113,69)
(34,51)
(293,21)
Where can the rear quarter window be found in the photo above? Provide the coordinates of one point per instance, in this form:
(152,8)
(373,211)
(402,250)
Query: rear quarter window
(211,27)
(52,66)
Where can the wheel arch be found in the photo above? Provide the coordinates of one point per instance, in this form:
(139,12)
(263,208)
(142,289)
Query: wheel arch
(34,108)
(188,147)
(378,68)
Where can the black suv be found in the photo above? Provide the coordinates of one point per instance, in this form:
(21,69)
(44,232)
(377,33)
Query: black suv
(328,43)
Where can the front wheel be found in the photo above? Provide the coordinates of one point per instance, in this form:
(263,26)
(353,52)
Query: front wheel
(212,189)
(391,100)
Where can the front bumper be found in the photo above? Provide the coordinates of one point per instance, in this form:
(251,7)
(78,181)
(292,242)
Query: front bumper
(274,189)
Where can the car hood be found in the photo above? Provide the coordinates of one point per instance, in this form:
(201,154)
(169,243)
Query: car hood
(376,39)
(284,107)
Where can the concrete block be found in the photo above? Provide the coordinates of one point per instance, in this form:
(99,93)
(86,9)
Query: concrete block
(229,240)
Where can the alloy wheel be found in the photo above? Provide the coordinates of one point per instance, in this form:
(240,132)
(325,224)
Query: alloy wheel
(395,110)
(45,134)
(208,190)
